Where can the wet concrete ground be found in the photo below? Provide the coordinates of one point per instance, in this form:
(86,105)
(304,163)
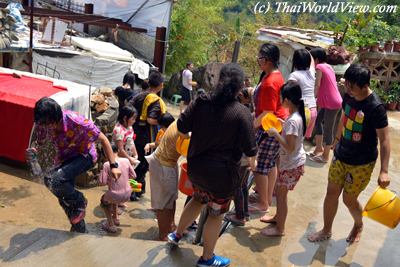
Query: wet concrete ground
(27,206)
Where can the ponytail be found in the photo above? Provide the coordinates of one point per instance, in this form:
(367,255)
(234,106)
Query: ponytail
(300,108)
(292,92)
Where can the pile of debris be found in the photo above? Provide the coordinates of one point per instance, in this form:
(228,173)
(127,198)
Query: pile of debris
(104,108)
(6,25)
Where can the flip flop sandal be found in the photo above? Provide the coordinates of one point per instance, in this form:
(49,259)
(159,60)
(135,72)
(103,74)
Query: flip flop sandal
(110,229)
(257,209)
(268,221)
(234,220)
(318,159)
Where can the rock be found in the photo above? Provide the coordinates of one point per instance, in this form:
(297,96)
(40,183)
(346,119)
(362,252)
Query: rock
(206,77)
(100,108)
(106,91)
(98,99)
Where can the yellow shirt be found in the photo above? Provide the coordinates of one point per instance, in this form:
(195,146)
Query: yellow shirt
(166,151)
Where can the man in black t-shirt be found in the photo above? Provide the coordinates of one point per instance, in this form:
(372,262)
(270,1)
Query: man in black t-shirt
(150,107)
(364,121)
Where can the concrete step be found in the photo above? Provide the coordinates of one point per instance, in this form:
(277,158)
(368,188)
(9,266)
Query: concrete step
(26,246)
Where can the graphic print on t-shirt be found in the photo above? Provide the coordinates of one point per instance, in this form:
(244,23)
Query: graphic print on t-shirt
(353,124)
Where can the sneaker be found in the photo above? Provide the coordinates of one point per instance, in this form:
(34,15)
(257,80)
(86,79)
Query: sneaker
(78,214)
(174,238)
(193,226)
(216,261)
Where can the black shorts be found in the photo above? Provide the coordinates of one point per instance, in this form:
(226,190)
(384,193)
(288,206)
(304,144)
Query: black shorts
(187,95)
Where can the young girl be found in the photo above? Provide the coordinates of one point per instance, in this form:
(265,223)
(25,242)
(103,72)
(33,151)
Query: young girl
(118,192)
(292,156)
(123,135)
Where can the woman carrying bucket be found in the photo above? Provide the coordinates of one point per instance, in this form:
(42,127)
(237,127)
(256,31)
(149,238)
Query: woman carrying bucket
(364,120)
(221,131)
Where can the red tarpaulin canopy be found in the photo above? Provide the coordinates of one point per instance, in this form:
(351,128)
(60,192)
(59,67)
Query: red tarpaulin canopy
(17,100)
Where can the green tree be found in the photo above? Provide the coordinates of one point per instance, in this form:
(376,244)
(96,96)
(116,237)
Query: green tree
(197,32)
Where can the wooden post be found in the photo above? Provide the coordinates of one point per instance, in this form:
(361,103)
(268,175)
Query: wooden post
(159,48)
(235,55)
(88,10)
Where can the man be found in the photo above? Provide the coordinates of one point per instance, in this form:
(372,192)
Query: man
(150,107)
(187,86)
(364,121)
(74,137)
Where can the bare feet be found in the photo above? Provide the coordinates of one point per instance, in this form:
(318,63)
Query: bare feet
(355,234)
(268,219)
(319,236)
(272,231)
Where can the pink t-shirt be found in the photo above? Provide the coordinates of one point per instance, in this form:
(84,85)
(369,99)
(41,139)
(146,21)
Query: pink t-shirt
(328,95)
(119,190)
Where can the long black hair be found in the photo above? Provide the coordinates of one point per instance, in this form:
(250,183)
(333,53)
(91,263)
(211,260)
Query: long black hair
(231,81)
(292,92)
(47,111)
(129,78)
(319,53)
(126,111)
(270,52)
(301,60)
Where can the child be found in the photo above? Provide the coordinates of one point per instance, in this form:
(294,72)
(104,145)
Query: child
(241,197)
(118,192)
(292,156)
(123,137)
(164,181)
(164,122)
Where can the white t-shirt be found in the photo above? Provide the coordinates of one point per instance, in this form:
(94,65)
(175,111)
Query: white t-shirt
(306,80)
(293,126)
(186,77)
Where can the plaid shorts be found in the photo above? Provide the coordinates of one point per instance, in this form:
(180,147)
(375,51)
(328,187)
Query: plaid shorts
(289,178)
(268,152)
(216,206)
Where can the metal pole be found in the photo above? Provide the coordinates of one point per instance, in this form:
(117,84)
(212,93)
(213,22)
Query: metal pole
(31,35)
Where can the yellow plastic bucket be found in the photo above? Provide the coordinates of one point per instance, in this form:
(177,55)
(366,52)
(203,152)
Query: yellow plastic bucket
(383,207)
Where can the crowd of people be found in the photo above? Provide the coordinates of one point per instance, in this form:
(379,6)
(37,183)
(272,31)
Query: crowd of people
(227,143)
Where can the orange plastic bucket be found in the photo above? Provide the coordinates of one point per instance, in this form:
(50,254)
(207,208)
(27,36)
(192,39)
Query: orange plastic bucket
(185,186)
(271,121)
(383,207)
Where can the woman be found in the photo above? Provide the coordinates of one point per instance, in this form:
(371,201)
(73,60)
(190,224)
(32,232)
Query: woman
(329,102)
(221,131)
(126,91)
(304,75)
(267,100)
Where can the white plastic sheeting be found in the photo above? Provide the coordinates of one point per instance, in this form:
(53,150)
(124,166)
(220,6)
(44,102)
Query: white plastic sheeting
(102,49)
(84,68)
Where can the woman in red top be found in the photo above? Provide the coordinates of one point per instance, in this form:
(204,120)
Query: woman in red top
(267,100)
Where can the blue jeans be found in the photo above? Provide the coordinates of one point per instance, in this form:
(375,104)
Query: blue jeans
(61,182)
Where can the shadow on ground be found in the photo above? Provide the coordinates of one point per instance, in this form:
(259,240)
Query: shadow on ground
(9,196)
(21,245)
